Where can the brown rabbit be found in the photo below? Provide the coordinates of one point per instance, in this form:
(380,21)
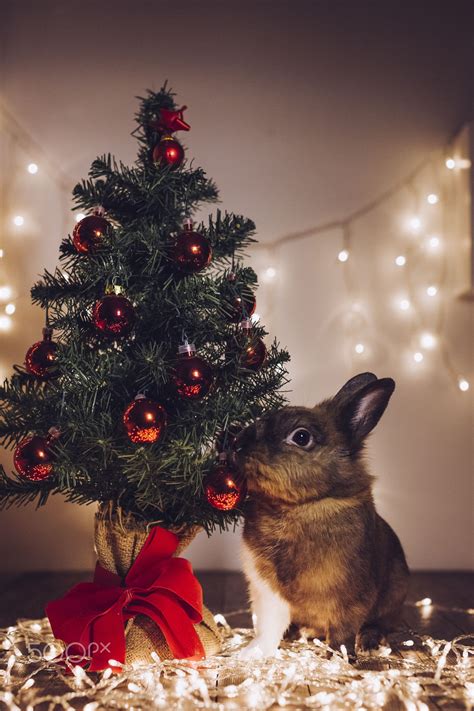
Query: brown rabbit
(315,551)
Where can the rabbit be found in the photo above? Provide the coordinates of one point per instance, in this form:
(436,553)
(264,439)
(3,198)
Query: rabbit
(315,552)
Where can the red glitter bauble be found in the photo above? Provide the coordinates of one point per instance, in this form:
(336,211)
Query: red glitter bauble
(89,232)
(33,460)
(254,354)
(224,487)
(192,375)
(40,359)
(169,152)
(240,306)
(192,251)
(144,420)
(114,315)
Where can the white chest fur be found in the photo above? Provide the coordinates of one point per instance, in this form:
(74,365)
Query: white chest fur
(270,612)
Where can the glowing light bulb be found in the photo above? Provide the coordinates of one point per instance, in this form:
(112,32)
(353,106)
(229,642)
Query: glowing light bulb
(343,255)
(432,290)
(255,317)
(359,348)
(432,199)
(414,223)
(463,385)
(80,216)
(270,273)
(1,253)
(18,220)
(32,168)
(427,340)
(434,242)
(5,293)
(10,309)
(450,163)
(425,602)
(404,304)
(5,323)
(400,261)
(418,357)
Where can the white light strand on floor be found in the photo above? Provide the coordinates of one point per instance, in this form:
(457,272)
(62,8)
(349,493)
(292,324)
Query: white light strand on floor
(304,674)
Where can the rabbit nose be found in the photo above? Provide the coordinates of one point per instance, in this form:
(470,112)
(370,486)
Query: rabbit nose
(246,438)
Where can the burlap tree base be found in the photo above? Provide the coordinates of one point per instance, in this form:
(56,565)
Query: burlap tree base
(118,540)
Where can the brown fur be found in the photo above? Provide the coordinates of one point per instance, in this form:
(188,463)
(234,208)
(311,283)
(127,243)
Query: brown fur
(311,522)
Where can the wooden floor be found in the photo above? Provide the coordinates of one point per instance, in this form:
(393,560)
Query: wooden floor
(451,592)
(25,595)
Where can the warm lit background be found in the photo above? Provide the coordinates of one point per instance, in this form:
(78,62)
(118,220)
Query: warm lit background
(304,113)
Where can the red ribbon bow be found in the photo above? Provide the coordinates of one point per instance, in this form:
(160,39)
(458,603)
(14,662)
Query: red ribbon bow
(90,618)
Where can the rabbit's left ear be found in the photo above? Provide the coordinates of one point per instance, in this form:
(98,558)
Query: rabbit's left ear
(360,413)
(353,385)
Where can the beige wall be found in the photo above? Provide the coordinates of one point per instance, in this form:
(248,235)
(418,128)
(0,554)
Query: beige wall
(301,116)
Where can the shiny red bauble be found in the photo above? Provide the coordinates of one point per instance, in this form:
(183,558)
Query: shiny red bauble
(33,459)
(192,376)
(113,315)
(254,354)
(40,358)
(191,251)
(89,233)
(224,487)
(168,152)
(144,420)
(240,306)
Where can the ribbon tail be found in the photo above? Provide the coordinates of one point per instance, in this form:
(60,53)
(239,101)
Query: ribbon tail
(89,620)
(107,639)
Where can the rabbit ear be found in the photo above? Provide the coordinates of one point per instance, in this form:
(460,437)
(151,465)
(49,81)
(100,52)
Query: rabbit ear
(353,385)
(359,415)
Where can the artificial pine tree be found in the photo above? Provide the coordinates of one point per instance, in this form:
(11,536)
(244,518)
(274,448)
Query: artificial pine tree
(149,362)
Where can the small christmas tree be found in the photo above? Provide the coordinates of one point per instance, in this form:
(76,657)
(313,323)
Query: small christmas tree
(149,362)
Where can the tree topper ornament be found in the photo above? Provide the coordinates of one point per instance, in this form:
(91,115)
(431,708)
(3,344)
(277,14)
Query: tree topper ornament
(170,121)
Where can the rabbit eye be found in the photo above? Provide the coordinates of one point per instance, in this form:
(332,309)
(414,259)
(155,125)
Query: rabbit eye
(300,438)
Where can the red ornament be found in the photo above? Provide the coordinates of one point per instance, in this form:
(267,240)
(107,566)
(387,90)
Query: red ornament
(144,420)
(224,487)
(114,315)
(240,306)
(40,359)
(168,152)
(89,233)
(254,352)
(170,121)
(192,375)
(33,458)
(192,251)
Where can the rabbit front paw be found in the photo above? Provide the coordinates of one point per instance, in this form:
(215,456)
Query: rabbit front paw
(259,648)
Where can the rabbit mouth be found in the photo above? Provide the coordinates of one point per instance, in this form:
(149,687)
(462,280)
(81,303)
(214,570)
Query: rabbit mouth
(248,465)
(255,472)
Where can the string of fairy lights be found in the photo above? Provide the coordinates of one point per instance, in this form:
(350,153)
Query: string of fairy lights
(418,674)
(426,244)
